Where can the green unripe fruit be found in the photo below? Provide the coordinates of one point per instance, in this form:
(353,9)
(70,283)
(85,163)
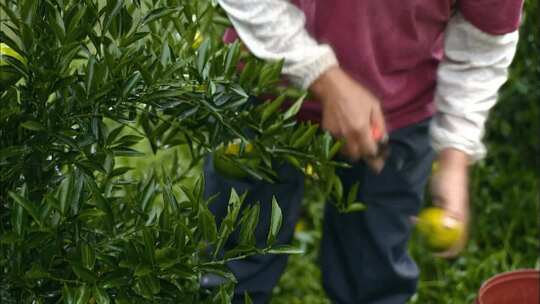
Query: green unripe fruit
(228,168)
(440,231)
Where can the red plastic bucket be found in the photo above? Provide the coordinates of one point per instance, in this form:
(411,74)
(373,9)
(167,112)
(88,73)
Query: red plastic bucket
(515,287)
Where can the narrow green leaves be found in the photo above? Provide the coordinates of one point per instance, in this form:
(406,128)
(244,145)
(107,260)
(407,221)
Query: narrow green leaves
(295,108)
(249,221)
(28,206)
(90,68)
(156,14)
(275,222)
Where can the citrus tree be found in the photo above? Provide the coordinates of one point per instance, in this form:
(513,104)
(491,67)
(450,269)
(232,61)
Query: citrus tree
(83,85)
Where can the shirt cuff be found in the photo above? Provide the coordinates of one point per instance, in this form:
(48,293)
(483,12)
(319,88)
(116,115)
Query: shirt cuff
(443,136)
(305,73)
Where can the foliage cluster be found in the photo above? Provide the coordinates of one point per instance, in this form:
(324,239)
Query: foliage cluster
(77,223)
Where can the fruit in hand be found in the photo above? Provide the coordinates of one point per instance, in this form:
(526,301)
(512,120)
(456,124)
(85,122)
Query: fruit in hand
(8,74)
(227,167)
(441,232)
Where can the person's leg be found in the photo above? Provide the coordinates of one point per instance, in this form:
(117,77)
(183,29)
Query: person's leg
(257,275)
(364,254)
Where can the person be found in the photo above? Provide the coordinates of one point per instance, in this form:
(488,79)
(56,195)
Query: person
(427,72)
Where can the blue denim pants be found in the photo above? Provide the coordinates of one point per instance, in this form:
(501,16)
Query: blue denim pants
(364,256)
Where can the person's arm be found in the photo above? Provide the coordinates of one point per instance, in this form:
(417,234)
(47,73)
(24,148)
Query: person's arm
(475,66)
(473,70)
(274,30)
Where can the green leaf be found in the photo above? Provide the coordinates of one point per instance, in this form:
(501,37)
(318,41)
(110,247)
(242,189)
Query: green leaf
(269,73)
(337,188)
(112,11)
(335,149)
(68,294)
(101,203)
(10,13)
(130,84)
(272,107)
(88,256)
(8,238)
(166,257)
(247,299)
(128,140)
(83,273)
(28,206)
(229,222)
(119,171)
(18,220)
(32,125)
(57,25)
(28,11)
(111,137)
(90,74)
(275,222)
(69,193)
(36,272)
(165,59)
(353,193)
(147,286)
(202,56)
(156,14)
(220,270)
(149,242)
(355,207)
(101,296)
(142,270)
(249,224)
(306,137)
(295,108)
(208,224)
(285,249)
(248,73)
(73,25)
(148,193)
(231,61)
(83,294)
(12,151)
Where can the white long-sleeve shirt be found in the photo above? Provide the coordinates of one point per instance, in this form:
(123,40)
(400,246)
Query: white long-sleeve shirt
(469,76)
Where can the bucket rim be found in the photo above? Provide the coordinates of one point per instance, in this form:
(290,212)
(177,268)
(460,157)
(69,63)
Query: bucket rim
(518,274)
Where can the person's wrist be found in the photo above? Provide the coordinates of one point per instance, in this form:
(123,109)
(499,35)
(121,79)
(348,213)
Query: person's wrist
(325,83)
(454,167)
(454,159)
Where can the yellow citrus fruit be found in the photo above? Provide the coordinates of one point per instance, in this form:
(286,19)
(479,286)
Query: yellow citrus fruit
(309,170)
(233,148)
(440,231)
(197,40)
(224,164)
(8,74)
(300,226)
(435,168)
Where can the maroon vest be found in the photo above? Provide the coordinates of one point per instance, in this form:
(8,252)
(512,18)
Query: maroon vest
(393,47)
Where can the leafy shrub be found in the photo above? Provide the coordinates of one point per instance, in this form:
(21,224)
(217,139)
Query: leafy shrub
(102,78)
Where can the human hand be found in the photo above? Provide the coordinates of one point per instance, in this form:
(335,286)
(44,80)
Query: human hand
(350,112)
(449,187)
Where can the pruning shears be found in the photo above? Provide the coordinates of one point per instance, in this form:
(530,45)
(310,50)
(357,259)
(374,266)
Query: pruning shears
(382,140)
